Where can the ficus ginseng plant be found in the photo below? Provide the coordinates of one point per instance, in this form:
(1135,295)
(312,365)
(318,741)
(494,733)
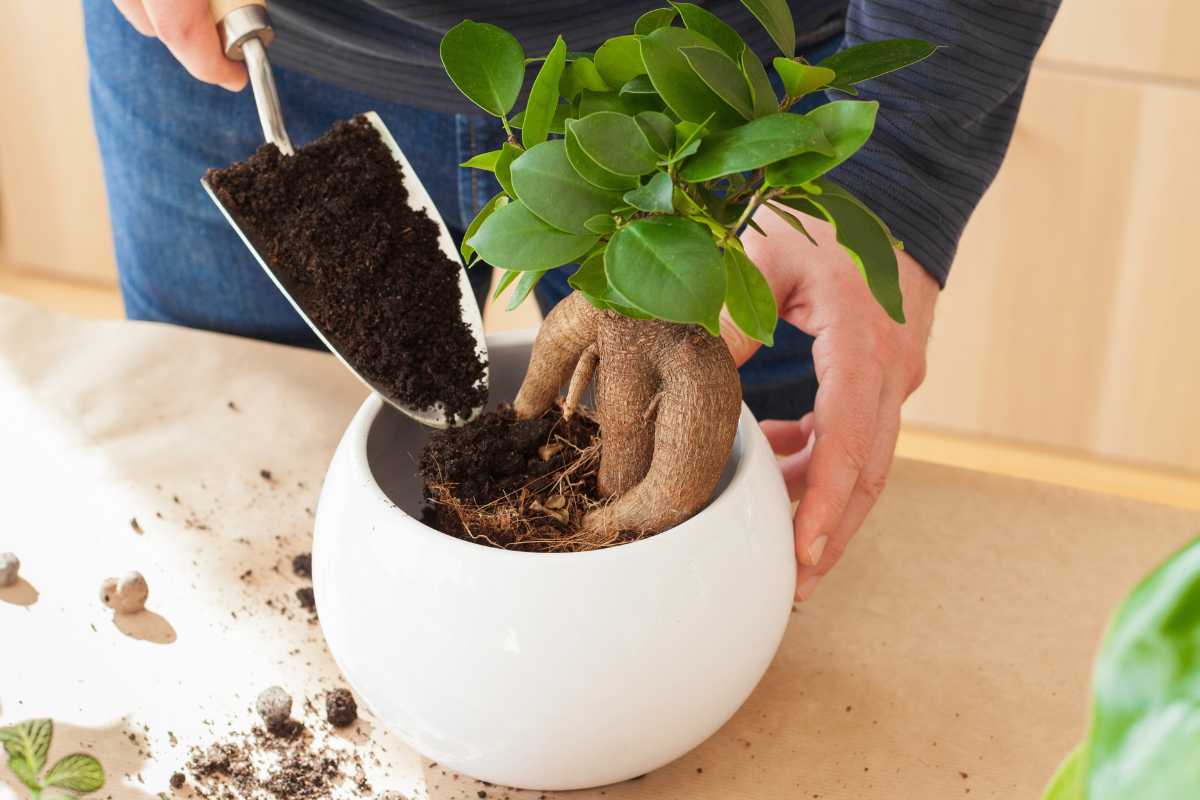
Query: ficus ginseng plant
(641,162)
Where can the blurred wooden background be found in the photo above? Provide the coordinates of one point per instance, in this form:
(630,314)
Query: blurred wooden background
(1070,322)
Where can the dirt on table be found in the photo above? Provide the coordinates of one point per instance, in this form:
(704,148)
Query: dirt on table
(367,269)
(515,484)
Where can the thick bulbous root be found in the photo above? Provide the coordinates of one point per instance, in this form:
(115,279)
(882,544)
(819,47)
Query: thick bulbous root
(667,400)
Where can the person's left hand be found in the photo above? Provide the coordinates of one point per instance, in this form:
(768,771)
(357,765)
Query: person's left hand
(835,460)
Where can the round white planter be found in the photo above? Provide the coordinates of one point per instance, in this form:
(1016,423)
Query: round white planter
(547,671)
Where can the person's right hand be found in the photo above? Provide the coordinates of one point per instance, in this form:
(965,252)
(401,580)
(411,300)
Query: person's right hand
(187,28)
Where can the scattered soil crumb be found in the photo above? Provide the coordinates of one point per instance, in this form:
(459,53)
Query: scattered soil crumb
(178,780)
(232,406)
(137,528)
(334,221)
(308,600)
(265,474)
(340,708)
(516,484)
(302,565)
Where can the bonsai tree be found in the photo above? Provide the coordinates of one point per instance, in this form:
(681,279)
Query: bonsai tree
(641,162)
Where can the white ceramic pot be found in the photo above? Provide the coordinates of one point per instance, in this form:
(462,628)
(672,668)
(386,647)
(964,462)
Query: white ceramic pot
(538,670)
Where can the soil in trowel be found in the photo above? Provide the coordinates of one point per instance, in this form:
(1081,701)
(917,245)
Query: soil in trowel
(515,484)
(365,267)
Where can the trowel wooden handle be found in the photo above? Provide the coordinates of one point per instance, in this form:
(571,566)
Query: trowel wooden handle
(222,7)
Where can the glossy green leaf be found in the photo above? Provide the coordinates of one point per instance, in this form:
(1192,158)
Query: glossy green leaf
(791,219)
(508,154)
(654,197)
(748,297)
(557,123)
(525,285)
(670,268)
(589,278)
(1145,733)
(865,61)
(653,20)
(762,93)
(27,774)
(1070,781)
(581,74)
(658,130)
(547,184)
(826,186)
(78,772)
(677,83)
(801,79)
(514,238)
(776,17)
(619,60)
(601,224)
(543,97)
(866,240)
(29,741)
(723,76)
(707,24)
(687,140)
(615,142)
(591,102)
(485,161)
(753,145)
(506,279)
(639,85)
(486,63)
(497,200)
(847,124)
(589,170)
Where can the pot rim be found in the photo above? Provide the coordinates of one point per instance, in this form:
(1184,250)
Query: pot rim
(745,447)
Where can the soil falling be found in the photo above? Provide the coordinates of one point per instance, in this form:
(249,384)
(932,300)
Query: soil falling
(516,484)
(367,269)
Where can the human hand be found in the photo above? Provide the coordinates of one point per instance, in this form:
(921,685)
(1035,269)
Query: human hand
(835,460)
(188,30)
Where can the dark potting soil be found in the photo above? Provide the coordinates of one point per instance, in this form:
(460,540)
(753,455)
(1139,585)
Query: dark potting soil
(340,708)
(366,268)
(515,484)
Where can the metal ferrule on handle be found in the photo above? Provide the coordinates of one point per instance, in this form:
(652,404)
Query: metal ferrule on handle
(245,33)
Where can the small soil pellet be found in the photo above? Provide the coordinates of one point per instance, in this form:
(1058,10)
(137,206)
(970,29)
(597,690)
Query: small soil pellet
(302,565)
(308,600)
(340,708)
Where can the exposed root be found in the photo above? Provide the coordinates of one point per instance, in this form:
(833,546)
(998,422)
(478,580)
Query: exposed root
(580,379)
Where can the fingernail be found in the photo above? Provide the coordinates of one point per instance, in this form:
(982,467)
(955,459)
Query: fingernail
(807,586)
(816,549)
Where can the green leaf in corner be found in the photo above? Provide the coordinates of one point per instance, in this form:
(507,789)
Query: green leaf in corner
(801,79)
(29,741)
(639,85)
(589,278)
(508,154)
(755,144)
(557,122)
(619,60)
(486,63)
(670,268)
(1070,781)
(677,83)
(78,772)
(524,287)
(748,297)
(514,238)
(847,125)
(25,773)
(762,93)
(654,19)
(485,161)
(550,187)
(543,97)
(865,61)
(723,76)
(862,235)
(776,17)
(709,25)
(654,197)
(791,220)
(615,142)
(601,224)
(491,205)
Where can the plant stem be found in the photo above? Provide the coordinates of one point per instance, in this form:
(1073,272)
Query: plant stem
(507,129)
(754,203)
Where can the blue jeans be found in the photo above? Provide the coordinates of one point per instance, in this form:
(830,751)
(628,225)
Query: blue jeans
(180,262)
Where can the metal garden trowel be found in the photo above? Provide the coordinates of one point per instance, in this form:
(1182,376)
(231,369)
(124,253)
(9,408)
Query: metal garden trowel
(246,31)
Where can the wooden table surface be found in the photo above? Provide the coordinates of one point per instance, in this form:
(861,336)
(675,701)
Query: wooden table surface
(947,656)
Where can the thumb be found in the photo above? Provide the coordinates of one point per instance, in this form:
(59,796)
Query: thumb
(741,346)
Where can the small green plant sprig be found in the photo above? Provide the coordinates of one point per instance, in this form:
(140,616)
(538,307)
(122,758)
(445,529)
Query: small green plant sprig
(643,160)
(27,745)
